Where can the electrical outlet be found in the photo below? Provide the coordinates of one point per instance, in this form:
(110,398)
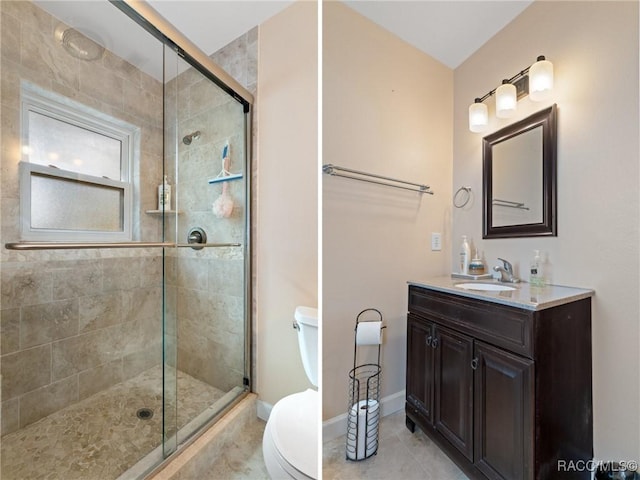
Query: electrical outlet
(436,242)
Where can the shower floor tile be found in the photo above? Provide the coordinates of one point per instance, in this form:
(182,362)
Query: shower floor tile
(100,437)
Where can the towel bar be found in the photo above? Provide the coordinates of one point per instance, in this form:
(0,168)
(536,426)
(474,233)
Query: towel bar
(336,171)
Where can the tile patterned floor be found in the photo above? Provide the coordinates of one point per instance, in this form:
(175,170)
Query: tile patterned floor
(105,443)
(401,454)
(100,437)
(243,459)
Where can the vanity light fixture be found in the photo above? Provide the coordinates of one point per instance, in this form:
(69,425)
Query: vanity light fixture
(506,100)
(536,80)
(478,116)
(540,80)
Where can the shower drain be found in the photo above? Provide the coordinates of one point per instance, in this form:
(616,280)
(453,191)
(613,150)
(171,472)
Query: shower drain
(144,414)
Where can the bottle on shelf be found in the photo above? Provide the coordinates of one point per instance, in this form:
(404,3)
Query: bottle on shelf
(465,256)
(164,195)
(476,266)
(536,276)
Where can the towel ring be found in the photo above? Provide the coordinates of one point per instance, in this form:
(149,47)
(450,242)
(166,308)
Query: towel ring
(465,199)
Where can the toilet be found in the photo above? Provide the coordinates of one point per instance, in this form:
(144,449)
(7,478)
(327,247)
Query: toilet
(290,441)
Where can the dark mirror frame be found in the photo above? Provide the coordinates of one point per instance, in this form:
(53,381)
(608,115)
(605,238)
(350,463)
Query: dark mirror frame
(548,227)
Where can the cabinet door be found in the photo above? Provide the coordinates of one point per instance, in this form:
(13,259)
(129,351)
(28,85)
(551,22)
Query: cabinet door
(503,414)
(454,389)
(420,366)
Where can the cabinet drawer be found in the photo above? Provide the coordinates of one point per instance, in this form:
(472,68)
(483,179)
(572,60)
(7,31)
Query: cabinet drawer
(503,326)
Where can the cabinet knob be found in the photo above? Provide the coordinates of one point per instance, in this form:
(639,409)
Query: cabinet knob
(435,342)
(428,341)
(474,363)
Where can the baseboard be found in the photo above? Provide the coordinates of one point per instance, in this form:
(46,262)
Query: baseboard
(263,410)
(337,426)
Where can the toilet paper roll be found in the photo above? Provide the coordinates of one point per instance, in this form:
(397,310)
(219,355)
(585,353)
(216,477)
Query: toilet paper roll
(362,435)
(369,333)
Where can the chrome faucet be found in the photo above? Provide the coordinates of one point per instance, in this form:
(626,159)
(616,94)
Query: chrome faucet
(506,272)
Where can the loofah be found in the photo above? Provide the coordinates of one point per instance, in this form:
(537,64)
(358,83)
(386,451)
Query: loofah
(223,206)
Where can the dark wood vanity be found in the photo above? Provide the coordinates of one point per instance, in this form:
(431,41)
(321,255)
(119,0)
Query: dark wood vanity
(503,387)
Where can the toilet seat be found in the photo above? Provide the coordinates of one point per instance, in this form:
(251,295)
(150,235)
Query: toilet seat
(293,428)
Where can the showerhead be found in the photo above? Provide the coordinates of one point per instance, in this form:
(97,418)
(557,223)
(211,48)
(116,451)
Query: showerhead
(77,44)
(189,138)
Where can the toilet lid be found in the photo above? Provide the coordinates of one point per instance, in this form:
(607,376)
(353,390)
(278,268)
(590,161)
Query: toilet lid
(295,433)
(307,316)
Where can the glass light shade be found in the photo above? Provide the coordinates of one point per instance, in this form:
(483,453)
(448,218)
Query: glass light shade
(478,117)
(540,80)
(506,100)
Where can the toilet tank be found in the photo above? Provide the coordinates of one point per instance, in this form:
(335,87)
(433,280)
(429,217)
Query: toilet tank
(307,326)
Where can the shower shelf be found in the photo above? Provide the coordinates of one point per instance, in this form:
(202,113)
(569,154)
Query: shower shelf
(226,178)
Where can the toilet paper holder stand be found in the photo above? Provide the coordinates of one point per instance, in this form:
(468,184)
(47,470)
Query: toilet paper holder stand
(363,414)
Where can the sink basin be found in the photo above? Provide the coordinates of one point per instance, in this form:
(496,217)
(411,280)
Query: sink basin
(485,287)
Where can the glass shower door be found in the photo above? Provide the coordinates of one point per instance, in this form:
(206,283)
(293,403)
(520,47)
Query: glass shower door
(81,308)
(112,345)
(205,274)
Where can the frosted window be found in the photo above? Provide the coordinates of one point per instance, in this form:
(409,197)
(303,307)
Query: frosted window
(73,148)
(57,205)
(76,173)
(65,204)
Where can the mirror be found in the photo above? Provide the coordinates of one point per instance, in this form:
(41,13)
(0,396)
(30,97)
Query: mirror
(519,178)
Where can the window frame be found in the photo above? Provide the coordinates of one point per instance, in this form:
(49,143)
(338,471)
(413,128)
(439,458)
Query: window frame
(43,102)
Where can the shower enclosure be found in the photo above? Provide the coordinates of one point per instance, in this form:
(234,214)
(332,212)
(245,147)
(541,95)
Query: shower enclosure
(125,310)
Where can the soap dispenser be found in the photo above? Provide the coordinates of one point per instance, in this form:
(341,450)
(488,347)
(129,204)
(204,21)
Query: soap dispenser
(536,277)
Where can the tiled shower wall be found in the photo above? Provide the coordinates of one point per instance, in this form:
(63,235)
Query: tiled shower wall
(71,328)
(73,323)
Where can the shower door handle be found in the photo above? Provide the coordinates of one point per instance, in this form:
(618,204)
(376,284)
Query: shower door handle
(91,245)
(203,245)
(82,246)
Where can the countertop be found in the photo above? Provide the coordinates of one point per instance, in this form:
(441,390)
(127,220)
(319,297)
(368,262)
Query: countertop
(524,296)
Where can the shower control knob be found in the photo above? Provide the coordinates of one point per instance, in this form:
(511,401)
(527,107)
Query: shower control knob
(196,236)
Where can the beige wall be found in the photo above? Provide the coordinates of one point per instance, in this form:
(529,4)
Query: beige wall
(594,48)
(287,219)
(386,110)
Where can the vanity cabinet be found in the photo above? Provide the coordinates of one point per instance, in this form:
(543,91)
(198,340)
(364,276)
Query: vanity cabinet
(503,413)
(441,388)
(505,391)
